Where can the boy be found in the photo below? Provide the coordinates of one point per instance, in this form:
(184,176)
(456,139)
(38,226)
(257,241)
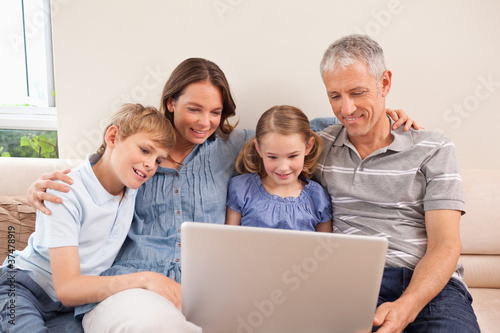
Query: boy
(70,248)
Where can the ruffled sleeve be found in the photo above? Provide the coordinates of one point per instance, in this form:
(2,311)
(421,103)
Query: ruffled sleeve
(320,202)
(238,192)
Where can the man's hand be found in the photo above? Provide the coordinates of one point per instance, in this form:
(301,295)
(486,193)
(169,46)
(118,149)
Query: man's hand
(392,317)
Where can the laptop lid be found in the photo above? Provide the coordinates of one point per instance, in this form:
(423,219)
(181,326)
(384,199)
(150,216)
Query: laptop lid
(249,280)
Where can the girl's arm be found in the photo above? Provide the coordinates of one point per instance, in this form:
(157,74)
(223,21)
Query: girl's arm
(74,289)
(325,226)
(233,217)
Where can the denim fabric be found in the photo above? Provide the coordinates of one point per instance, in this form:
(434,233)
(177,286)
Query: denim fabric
(26,307)
(450,311)
(320,123)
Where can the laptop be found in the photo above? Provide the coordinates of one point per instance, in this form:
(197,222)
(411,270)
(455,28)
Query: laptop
(238,279)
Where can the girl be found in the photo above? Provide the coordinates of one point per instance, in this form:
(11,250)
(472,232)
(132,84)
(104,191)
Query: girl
(274,190)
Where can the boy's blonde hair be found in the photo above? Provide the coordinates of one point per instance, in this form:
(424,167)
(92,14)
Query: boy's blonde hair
(134,118)
(286,120)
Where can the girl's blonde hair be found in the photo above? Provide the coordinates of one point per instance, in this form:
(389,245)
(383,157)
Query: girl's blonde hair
(286,120)
(134,118)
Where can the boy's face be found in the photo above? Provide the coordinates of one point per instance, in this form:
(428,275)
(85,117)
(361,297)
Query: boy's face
(136,158)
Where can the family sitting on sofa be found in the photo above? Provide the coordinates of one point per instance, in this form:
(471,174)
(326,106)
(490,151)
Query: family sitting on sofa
(66,277)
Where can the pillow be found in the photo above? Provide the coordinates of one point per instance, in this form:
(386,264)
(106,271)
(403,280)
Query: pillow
(17,223)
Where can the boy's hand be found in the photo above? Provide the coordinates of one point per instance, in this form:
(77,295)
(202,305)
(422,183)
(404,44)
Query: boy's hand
(165,287)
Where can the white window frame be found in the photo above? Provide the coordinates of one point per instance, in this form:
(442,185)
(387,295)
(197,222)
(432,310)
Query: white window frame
(28,118)
(35,117)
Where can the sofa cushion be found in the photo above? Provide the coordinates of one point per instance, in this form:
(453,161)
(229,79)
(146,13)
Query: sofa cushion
(480,226)
(481,270)
(486,304)
(17,223)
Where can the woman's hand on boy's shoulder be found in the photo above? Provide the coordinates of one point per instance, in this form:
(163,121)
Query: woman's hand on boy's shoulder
(37,192)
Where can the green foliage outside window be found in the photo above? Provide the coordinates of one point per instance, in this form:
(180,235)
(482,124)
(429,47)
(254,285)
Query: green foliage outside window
(23,143)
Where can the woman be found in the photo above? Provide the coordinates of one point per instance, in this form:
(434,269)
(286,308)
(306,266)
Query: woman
(190,186)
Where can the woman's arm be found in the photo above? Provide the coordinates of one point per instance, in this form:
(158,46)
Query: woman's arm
(74,289)
(233,217)
(37,192)
(400,117)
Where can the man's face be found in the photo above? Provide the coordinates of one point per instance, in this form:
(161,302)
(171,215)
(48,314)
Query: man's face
(355,99)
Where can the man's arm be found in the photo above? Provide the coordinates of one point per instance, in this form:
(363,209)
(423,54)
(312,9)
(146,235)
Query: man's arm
(431,274)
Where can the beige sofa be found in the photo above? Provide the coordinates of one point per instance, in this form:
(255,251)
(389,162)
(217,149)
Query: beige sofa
(480,227)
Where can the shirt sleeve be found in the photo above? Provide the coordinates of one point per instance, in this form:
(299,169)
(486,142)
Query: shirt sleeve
(236,193)
(320,123)
(444,188)
(321,203)
(62,226)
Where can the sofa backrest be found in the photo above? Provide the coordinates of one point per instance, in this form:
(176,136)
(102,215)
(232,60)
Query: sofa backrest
(480,228)
(17,173)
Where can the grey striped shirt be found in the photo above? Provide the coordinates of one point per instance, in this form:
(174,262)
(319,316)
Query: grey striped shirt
(387,193)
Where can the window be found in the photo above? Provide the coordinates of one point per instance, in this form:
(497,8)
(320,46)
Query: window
(27,102)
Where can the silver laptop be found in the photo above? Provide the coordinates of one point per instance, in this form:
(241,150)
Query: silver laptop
(249,280)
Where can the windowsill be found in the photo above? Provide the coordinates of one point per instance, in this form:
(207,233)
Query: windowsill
(28,118)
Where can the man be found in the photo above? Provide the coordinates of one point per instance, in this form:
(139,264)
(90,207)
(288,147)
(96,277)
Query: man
(404,186)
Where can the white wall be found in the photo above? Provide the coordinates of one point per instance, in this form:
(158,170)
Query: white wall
(444,55)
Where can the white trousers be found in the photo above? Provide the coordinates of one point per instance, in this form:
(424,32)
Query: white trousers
(137,310)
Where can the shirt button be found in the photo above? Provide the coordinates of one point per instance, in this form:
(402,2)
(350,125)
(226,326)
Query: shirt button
(176,260)
(176,191)
(177,212)
(179,230)
(179,245)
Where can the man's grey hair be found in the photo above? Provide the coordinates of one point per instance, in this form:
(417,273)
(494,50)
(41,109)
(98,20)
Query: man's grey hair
(352,48)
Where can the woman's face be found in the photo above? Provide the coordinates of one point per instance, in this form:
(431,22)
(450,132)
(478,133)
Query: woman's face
(197,111)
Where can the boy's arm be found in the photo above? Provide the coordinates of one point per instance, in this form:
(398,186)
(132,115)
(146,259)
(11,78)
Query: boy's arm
(74,289)
(233,217)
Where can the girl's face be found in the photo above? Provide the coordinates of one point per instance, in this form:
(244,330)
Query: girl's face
(197,112)
(283,156)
